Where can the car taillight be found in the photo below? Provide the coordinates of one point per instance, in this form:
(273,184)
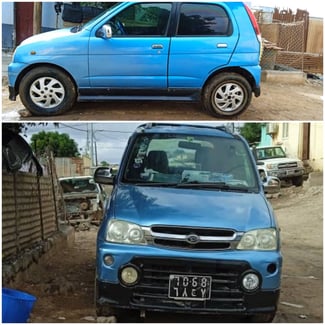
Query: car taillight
(254,21)
(256,28)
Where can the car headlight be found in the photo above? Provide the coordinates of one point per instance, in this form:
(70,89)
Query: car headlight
(272,166)
(124,232)
(300,164)
(259,239)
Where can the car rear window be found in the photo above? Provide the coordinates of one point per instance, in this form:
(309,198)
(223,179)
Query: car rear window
(203,19)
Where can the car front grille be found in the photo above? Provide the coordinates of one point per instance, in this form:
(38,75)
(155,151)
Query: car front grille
(287,165)
(192,238)
(152,291)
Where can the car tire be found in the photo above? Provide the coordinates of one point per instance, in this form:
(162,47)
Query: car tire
(298,181)
(226,95)
(47,91)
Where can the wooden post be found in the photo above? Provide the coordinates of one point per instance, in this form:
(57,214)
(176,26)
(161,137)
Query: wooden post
(37,22)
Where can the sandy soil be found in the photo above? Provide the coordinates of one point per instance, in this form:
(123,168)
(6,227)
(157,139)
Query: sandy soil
(64,288)
(278,101)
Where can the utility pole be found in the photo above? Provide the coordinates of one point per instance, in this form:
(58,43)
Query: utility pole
(37,22)
(92,144)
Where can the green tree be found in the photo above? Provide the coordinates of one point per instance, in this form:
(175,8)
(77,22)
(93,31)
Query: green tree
(251,132)
(59,143)
(22,128)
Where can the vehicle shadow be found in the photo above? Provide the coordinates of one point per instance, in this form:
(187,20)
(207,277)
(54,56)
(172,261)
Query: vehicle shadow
(188,318)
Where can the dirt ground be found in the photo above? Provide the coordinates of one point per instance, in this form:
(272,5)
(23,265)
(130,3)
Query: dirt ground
(65,288)
(278,101)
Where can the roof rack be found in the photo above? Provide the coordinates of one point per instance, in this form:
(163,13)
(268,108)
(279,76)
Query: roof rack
(154,124)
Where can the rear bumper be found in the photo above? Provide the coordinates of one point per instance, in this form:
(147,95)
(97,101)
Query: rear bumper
(257,91)
(12,93)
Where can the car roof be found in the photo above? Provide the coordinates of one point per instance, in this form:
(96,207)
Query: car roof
(265,147)
(195,129)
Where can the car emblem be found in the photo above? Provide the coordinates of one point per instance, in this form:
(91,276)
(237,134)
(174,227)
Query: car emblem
(192,238)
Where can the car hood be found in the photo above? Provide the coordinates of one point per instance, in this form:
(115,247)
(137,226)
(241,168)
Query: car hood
(147,206)
(84,195)
(54,43)
(278,160)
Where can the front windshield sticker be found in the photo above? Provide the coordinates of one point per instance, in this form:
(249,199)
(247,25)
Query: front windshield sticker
(143,147)
(137,163)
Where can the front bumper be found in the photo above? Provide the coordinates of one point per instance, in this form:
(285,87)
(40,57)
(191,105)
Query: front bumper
(285,174)
(151,292)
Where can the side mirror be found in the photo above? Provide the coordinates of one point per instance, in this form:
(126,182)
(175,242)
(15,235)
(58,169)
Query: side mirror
(103,175)
(105,32)
(254,151)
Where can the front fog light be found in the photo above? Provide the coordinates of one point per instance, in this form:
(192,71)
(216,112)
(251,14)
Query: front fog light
(108,260)
(250,282)
(129,275)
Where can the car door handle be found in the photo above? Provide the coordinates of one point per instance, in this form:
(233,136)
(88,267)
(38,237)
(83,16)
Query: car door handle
(222,45)
(157,46)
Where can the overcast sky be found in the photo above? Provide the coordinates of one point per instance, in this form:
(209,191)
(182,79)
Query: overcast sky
(111,137)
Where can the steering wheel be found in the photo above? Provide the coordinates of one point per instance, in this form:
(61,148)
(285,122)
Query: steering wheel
(119,27)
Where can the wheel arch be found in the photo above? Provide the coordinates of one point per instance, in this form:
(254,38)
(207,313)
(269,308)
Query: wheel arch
(240,71)
(41,65)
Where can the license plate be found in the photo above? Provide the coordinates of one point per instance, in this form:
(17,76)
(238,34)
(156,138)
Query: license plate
(189,287)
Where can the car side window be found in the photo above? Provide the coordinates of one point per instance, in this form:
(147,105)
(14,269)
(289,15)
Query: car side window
(203,20)
(142,19)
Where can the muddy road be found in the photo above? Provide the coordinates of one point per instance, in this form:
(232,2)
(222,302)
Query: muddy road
(278,101)
(65,286)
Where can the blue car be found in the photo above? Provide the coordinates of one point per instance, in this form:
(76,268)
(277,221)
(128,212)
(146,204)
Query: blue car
(188,228)
(196,51)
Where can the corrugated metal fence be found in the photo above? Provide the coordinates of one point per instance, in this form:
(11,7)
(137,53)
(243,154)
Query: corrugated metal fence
(28,212)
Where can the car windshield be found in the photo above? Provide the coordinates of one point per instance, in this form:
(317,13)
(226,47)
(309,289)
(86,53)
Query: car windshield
(270,153)
(190,161)
(78,185)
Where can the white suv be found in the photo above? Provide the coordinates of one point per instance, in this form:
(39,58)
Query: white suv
(272,161)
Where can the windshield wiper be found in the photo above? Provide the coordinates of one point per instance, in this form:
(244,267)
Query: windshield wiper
(76,28)
(197,185)
(156,184)
(217,185)
(221,185)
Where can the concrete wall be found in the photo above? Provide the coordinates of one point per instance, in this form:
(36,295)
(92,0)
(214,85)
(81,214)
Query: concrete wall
(50,21)
(290,141)
(316,159)
(294,141)
(315,36)
(66,167)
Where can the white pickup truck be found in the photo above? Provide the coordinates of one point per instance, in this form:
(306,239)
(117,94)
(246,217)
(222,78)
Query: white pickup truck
(273,161)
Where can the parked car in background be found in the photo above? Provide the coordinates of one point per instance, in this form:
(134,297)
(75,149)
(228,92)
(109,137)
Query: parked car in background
(185,51)
(83,201)
(188,228)
(273,161)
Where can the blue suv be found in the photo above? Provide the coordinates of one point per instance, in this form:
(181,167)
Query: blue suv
(187,229)
(203,52)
